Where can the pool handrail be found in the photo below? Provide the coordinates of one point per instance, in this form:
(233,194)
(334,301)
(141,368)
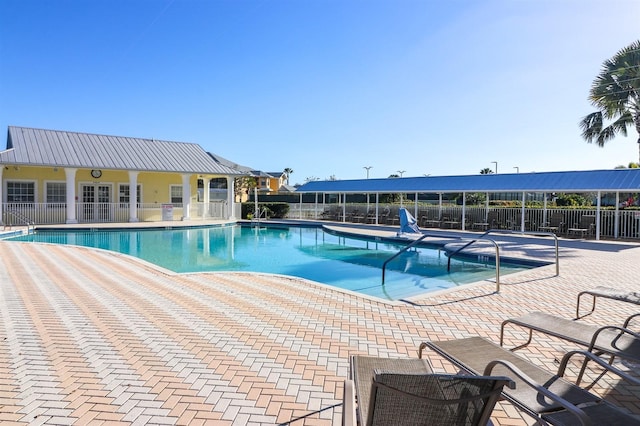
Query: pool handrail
(407,247)
(425,235)
(534,233)
(20,218)
(450,255)
(481,238)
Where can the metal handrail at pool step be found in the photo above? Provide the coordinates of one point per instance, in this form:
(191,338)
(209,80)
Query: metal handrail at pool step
(472,241)
(503,231)
(425,235)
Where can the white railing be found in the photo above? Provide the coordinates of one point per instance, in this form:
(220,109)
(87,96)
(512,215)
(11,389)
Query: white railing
(56,213)
(613,224)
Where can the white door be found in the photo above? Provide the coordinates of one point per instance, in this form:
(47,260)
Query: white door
(96,199)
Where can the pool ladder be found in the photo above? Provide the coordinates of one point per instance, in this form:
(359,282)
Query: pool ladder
(255,221)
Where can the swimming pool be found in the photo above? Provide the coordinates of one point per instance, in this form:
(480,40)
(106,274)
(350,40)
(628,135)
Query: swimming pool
(307,252)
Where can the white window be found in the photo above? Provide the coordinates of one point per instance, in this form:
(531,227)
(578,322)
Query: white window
(176,194)
(21,192)
(56,192)
(124,194)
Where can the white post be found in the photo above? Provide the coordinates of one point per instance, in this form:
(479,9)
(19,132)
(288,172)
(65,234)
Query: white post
(133,196)
(524,198)
(464,209)
(415,208)
(256,212)
(206,196)
(186,197)
(300,213)
(231,197)
(616,219)
(315,208)
(70,175)
(598,218)
(486,208)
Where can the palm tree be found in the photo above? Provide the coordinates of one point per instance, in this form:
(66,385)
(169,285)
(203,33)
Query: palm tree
(616,94)
(288,171)
(486,171)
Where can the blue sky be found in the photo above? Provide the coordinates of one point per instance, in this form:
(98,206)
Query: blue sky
(324,87)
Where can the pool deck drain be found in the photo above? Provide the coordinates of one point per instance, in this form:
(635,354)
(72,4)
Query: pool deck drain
(89,336)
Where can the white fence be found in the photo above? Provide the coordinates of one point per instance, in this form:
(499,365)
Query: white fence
(613,223)
(14,214)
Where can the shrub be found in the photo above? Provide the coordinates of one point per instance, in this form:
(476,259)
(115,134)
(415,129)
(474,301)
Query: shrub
(572,200)
(274,210)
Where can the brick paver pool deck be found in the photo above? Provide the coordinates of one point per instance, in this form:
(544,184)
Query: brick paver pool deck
(90,337)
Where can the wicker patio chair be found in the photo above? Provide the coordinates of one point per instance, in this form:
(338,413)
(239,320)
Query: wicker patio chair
(406,392)
(547,397)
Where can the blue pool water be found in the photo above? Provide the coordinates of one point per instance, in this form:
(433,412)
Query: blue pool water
(311,253)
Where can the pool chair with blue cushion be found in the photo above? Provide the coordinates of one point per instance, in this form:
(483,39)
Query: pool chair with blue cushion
(407,392)
(545,396)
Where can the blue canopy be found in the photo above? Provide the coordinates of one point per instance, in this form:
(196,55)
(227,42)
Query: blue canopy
(616,180)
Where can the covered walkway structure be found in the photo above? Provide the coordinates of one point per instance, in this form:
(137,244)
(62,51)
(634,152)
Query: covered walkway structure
(607,185)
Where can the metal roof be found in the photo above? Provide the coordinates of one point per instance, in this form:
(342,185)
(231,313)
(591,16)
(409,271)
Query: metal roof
(570,181)
(39,147)
(228,163)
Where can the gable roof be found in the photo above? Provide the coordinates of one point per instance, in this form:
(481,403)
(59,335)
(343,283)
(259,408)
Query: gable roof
(235,166)
(39,147)
(579,181)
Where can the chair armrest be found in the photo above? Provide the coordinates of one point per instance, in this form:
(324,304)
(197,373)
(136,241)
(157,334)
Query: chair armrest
(622,331)
(349,404)
(593,357)
(628,320)
(581,415)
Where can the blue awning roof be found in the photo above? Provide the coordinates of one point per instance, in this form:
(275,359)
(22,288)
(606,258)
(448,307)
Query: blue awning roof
(617,180)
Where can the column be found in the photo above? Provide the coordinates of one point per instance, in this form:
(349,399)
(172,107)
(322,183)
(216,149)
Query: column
(231,199)
(133,196)
(206,196)
(70,175)
(186,197)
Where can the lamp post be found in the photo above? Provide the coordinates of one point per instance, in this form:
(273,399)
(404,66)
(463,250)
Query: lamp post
(517,169)
(496,163)
(368,168)
(401,172)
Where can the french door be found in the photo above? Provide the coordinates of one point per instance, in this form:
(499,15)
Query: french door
(96,202)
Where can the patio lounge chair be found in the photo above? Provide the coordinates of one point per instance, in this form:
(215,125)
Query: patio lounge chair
(491,222)
(586,227)
(406,392)
(555,224)
(384,215)
(611,340)
(608,293)
(431,221)
(543,395)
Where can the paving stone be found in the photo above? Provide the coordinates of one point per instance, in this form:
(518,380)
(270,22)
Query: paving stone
(92,336)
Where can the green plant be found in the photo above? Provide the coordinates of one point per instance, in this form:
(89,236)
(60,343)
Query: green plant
(572,200)
(270,210)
